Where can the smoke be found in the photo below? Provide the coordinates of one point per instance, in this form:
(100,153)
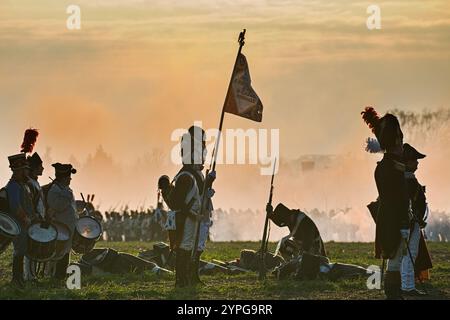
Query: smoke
(108,97)
(334,190)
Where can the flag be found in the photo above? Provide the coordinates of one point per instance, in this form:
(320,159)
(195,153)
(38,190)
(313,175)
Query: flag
(241,99)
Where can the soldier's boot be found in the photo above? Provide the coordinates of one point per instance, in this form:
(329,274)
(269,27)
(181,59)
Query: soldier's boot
(182,268)
(392,285)
(195,276)
(414,293)
(17,271)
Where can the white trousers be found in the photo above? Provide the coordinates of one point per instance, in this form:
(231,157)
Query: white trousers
(187,243)
(407,268)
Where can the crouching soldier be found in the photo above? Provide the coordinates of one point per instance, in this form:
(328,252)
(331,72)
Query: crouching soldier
(184,198)
(303,231)
(62,208)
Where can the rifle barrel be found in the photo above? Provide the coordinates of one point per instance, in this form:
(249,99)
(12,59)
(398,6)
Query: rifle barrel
(264,240)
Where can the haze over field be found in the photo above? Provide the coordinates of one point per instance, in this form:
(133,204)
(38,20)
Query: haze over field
(138,69)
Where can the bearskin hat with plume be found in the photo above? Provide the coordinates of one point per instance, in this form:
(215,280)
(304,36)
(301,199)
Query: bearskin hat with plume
(29,140)
(371,117)
(386,129)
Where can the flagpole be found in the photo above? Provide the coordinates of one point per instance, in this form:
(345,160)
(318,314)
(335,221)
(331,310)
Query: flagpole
(216,147)
(241,41)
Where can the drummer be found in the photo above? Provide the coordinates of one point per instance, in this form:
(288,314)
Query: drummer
(21,208)
(36,170)
(62,208)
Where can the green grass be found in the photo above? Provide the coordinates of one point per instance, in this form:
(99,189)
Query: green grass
(243,286)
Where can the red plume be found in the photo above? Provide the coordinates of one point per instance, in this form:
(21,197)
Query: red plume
(370,116)
(29,140)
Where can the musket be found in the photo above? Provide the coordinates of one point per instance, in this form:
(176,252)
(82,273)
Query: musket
(265,238)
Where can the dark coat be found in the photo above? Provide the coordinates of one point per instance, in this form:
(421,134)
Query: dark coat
(423,260)
(20,207)
(393,212)
(308,234)
(416,193)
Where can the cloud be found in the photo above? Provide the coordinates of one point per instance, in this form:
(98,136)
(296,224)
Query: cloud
(139,69)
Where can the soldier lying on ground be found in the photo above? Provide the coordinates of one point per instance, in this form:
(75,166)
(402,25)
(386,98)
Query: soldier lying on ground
(109,260)
(307,266)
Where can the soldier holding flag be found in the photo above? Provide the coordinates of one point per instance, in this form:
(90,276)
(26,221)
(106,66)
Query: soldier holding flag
(242,101)
(190,194)
(184,196)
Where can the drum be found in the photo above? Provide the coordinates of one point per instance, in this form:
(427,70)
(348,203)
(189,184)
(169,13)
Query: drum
(9,229)
(62,241)
(87,232)
(41,241)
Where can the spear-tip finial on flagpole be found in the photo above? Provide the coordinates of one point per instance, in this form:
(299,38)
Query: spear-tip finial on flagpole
(241,39)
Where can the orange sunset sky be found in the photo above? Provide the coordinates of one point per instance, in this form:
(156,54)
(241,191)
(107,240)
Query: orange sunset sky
(138,69)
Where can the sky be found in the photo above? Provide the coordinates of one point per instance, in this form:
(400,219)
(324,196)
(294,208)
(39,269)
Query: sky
(139,69)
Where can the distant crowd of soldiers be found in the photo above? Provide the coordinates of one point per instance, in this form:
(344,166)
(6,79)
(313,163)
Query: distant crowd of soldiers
(140,225)
(135,225)
(438,228)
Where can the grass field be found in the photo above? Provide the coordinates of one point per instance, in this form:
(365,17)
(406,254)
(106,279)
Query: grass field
(244,286)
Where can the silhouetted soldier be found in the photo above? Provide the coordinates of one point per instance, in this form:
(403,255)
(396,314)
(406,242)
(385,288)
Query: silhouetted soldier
(62,208)
(21,208)
(303,231)
(36,170)
(419,208)
(184,197)
(393,217)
